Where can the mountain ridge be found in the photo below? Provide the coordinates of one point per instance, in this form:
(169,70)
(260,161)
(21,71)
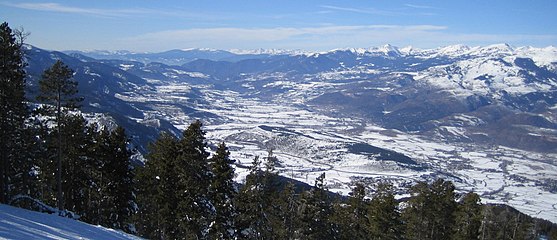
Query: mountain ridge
(221,54)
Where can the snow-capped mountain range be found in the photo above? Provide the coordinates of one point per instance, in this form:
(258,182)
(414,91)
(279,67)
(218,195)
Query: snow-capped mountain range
(540,55)
(483,117)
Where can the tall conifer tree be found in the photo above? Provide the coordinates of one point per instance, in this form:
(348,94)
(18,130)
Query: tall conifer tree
(251,221)
(58,91)
(195,209)
(114,179)
(429,214)
(357,208)
(384,216)
(157,185)
(222,193)
(287,204)
(315,212)
(76,164)
(468,218)
(174,199)
(13,109)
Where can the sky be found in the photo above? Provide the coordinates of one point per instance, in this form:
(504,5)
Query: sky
(158,25)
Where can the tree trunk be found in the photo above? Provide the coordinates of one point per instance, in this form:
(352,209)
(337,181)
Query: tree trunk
(59,195)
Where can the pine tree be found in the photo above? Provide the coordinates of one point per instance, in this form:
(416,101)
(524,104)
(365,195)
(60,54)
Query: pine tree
(25,182)
(222,193)
(46,162)
(96,152)
(248,204)
(173,194)
(287,205)
(57,91)
(315,212)
(157,185)
(272,187)
(13,109)
(358,207)
(341,218)
(252,221)
(468,217)
(76,176)
(429,214)
(123,177)
(114,179)
(384,217)
(444,206)
(194,210)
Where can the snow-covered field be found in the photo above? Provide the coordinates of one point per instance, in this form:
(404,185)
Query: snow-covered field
(17,223)
(308,144)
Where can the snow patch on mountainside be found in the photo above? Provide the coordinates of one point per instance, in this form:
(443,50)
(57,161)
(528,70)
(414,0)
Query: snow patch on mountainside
(485,76)
(541,56)
(17,223)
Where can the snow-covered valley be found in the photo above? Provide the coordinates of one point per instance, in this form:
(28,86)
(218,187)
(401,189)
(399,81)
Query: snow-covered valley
(308,143)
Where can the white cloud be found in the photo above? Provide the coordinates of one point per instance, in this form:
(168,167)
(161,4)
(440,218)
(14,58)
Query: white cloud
(371,11)
(318,38)
(312,38)
(56,7)
(419,6)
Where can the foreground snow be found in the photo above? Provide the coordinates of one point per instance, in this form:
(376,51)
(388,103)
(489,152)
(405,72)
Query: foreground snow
(17,223)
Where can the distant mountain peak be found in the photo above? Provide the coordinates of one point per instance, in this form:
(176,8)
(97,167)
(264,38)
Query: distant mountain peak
(457,49)
(199,50)
(266,51)
(408,50)
(494,49)
(388,50)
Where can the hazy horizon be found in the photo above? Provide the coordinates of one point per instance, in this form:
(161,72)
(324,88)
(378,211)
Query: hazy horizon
(141,26)
(255,50)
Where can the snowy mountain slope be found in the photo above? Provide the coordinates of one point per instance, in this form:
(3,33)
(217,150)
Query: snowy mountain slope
(17,223)
(100,84)
(492,77)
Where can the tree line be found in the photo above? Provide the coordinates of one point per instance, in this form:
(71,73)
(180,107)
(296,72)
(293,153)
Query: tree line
(184,193)
(51,156)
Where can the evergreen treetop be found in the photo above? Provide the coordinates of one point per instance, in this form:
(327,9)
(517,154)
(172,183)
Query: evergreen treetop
(58,89)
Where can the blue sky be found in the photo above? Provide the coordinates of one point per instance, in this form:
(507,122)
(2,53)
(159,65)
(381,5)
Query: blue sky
(151,25)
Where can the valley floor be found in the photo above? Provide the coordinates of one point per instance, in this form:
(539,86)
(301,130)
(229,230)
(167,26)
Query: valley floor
(308,143)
